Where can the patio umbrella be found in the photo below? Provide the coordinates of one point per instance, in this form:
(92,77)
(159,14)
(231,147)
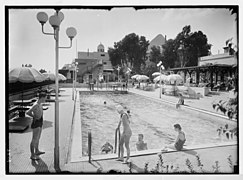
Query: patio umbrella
(174,77)
(142,77)
(63,78)
(52,76)
(135,76)
(163,78)
(156,74)
(25,75)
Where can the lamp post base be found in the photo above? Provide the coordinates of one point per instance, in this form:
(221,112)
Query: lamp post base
(56,159)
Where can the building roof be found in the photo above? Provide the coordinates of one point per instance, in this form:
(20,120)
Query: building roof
(93,55)
(216,56)
(201,67)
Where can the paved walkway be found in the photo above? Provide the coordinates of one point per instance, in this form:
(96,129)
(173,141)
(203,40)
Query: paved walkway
(19,142)
(204,103)
(176,159)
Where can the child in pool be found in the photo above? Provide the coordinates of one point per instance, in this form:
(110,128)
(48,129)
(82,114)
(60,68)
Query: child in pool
(141,145)
(180,101)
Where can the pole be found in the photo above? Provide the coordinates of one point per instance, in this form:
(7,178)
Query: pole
(56,148)
(118,74)
(75,77)
(73,86)
(89,145)
(160,83)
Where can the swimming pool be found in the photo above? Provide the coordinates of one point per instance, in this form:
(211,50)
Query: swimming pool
(151,118)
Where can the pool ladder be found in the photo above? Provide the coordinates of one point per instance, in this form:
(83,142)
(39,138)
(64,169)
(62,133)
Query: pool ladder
(117,141)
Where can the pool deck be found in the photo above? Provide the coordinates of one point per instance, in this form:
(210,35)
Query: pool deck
(70,133)
(203,104)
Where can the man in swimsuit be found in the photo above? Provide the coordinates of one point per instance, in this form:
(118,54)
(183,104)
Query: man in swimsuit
(126,135)
(36,112)
(180,140)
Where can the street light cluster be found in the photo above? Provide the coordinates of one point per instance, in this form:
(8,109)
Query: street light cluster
(55,21)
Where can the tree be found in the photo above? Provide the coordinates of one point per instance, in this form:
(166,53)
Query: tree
(149,68)
(169,55)
(129,52)
(155,54)
(194,45)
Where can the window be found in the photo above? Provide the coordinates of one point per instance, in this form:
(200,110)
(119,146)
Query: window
(104,62)
(102,54)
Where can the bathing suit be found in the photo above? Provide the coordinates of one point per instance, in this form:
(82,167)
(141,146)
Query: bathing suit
(126,127)
(37,123)
(179,144)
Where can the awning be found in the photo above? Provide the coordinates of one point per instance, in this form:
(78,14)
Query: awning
(108,70)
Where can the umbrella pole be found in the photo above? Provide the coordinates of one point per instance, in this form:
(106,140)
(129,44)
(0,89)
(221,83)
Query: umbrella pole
(160,90)
(21,112)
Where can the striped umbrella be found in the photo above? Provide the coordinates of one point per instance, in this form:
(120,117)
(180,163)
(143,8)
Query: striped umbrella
(52,76)
(163,78)
(25,75)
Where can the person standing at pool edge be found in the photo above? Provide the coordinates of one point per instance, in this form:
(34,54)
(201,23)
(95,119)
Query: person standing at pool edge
(126,134)
(36,112)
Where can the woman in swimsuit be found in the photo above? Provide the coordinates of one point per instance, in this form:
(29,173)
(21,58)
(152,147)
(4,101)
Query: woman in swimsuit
(180,140)
(126,135)
(36,112)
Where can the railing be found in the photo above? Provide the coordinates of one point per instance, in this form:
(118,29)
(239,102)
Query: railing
(89,145)
(117,143)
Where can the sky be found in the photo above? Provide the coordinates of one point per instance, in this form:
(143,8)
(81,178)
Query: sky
(28,45)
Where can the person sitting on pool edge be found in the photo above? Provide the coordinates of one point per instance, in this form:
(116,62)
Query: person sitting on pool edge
(141,145)
(180,140)
(180,101)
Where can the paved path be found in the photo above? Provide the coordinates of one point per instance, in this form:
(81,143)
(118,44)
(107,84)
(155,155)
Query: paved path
(19,142)
(204,103)
(177,159)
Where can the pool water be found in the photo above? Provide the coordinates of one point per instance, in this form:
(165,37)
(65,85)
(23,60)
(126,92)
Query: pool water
(151,118)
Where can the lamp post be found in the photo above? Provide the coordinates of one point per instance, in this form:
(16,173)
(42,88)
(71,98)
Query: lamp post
(76,72)
(118,69)
(55,21)
(161,67)
(181,54)
(74,64)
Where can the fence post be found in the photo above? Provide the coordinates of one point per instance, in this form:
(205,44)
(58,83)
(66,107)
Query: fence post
(119,136)
(115,140)
(89,145)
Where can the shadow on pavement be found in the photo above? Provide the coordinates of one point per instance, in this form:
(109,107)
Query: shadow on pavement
(98,166)
(27,123)
(191,152)
(40,166)
(136,168)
